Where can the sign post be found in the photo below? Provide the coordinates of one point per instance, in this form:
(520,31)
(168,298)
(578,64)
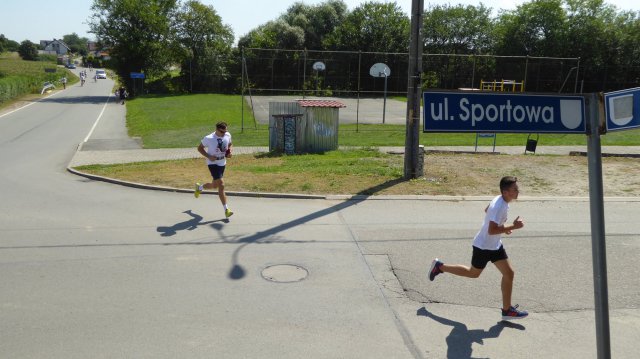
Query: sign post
(135,76)
(598,247)
(525,113)
(381,70)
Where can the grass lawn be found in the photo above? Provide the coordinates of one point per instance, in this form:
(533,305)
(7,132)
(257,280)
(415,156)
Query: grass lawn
(14,71)
(167,121)
(181,121)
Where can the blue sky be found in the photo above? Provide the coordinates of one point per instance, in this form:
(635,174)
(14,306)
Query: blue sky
(37,20)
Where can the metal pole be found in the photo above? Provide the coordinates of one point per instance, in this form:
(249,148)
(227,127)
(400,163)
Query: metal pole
(598,247)
(384,103)
(473,74)
(411,145)
(242,90)
(526,70)
(358,102)
(304,73)
(575,85)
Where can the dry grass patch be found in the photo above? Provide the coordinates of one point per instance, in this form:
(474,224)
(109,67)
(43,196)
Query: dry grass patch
(369,172)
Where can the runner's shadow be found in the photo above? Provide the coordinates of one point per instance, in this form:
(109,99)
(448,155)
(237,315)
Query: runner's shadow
(188,225)
(461,339)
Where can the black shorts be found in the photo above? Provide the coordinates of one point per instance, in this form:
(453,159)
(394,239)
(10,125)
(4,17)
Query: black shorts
(216,171)
(481,257)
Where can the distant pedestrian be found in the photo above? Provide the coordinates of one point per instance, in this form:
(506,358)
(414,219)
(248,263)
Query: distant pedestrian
(216,148)
(122,94)
(64,82)
(487,246)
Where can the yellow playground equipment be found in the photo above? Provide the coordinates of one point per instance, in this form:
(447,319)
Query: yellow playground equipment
(502,85)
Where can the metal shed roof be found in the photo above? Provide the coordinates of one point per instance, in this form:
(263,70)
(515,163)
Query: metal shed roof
(320,103)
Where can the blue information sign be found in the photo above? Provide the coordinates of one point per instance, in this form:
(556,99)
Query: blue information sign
(501,112)
(137,75)
(622,109)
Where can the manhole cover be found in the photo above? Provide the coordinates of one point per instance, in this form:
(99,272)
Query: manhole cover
(284,273)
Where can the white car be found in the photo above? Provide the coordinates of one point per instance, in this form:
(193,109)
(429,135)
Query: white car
(101,74)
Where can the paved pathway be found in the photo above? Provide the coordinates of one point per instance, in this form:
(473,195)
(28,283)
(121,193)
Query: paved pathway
(106,156)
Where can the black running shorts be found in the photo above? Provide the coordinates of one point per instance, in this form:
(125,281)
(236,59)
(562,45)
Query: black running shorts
(481,257)
(216,171)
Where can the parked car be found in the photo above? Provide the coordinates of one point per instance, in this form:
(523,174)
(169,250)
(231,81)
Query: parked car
(70,66)
(101,74)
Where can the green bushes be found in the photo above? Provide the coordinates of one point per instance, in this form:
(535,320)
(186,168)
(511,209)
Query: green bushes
(19,77)
(15,86)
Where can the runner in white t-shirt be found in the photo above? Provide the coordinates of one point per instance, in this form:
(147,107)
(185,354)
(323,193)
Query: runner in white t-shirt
(487,246)
(216,148)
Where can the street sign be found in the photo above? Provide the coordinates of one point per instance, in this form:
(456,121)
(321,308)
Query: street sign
(499,112)
(137,75)
(622,109)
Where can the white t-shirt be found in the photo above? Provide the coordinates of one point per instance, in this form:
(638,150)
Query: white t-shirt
(217,146)
(496,212)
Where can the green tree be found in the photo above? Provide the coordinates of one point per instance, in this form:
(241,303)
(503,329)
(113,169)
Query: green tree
(136,33)
(458,30)
(594,37)
(28,50)
(536,28)
(8,45)
(277,34)
(77,44)
(372,27)
(628,24)
(3,43)
(316,21)
(206,43)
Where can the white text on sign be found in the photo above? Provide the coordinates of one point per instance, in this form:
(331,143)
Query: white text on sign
(476,112)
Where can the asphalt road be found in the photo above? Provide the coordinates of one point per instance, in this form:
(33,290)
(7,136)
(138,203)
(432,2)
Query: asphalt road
(96,270)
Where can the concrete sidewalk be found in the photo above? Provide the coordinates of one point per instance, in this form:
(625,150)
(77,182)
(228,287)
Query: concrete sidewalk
(115,155)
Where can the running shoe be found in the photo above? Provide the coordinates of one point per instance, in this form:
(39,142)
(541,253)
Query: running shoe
(513,313)
(434,270)
(197,191)
(228,213)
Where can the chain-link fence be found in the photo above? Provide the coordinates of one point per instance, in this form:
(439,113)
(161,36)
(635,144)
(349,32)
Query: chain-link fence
(347,73)
(352,75)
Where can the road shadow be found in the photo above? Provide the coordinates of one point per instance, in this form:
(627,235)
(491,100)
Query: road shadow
(461,338)
(188,225)
(237,271)
(74,100)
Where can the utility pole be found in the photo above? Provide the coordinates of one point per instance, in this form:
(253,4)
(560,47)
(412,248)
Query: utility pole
(412,157)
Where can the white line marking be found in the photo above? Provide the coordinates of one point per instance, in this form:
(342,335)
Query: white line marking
(97,120)
(25,106)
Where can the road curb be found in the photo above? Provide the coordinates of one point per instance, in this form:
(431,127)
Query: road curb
(346,197)
(184,190)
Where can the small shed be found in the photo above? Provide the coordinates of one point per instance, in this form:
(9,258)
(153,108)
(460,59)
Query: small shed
(314,123)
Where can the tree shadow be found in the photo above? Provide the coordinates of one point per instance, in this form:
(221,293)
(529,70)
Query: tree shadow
(188,225)
(461,338)
(72,100)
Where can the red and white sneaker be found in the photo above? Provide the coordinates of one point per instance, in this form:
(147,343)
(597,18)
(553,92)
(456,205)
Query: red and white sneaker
(513,313)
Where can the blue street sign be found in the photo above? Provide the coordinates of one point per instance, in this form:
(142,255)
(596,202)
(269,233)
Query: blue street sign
(137,75)
(622,109)
(500,112)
